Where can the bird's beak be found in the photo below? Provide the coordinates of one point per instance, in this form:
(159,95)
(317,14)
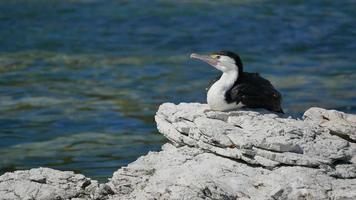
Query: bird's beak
(211,61)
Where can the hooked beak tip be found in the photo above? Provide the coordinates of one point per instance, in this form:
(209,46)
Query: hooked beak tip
(205,58)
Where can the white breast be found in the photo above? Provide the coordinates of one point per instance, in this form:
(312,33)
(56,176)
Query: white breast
(216,99)
(216,94)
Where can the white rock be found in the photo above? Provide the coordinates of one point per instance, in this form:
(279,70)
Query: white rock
(339,123)
(188,173)
(45,183)
(246,134)
(240,155)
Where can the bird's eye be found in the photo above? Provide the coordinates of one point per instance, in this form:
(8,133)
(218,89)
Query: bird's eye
(215,56)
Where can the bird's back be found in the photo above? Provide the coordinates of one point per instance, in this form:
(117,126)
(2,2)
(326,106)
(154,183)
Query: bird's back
(254,91)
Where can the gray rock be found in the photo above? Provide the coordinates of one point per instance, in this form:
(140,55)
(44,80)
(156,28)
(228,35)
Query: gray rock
(339,123)
(241,155)
(189,173)
(46,184)
(258,138)
(245,154)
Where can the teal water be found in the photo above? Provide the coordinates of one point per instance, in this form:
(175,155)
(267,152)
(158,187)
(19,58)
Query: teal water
(80,80)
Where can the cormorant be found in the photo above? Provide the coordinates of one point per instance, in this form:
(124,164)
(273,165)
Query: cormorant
(236,88)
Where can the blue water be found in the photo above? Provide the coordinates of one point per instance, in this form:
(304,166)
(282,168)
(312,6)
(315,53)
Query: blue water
(80,80)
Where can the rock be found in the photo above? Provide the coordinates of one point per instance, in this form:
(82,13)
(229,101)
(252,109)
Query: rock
(241,155)
(190,173)
(258,138)
(245,154)
(45,183)
(339,123)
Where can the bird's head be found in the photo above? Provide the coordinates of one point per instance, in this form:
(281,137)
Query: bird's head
(224,61)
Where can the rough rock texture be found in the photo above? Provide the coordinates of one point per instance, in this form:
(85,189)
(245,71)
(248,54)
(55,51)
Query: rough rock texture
(220,155)
(244,155)
(190,173)
(339,123)
(47,184)
(258,138)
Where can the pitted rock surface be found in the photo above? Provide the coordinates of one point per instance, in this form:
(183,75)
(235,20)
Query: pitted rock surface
(339,123)
(258,138)
(189,173)
(48,184)
(245,154)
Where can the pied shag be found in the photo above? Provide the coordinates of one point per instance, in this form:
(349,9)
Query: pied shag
(236,88)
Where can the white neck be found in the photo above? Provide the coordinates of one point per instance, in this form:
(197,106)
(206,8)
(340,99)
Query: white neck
(216,94)
(227,80)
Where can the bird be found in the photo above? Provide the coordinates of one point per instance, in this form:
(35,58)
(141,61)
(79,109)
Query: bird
(237,89)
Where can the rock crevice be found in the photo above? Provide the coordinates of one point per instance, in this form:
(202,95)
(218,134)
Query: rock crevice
(259,138)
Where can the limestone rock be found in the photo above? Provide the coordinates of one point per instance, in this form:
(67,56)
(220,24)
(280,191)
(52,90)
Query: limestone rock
(339,123)
(189,173)
(240,155)
(258,138)
(48,184)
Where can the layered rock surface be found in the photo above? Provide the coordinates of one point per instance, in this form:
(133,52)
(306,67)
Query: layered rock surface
(45,183)
(246,154)
(261,138)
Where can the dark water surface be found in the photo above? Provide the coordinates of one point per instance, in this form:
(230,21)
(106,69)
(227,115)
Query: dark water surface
(80,80)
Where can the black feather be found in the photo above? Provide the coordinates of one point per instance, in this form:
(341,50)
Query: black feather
(254,92)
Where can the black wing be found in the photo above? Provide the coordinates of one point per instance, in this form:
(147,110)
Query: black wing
(255,92)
